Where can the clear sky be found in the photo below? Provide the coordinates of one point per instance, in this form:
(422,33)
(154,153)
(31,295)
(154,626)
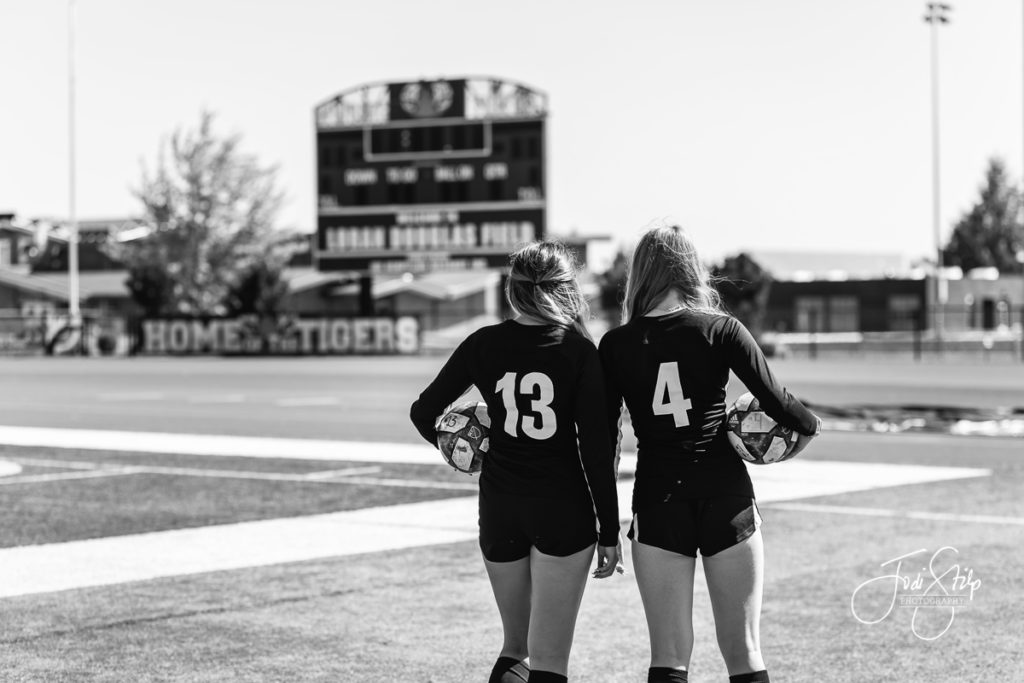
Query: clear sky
(796,124)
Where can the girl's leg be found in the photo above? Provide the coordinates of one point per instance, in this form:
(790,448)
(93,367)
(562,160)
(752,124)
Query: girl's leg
(665,580)
(557,591)
(511,584)
(735,580)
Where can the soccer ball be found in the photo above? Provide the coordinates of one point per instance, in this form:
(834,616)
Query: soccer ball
(757,438)
(462,436)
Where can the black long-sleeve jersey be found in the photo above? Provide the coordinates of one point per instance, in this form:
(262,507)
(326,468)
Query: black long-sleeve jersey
(672,372)
(545,396)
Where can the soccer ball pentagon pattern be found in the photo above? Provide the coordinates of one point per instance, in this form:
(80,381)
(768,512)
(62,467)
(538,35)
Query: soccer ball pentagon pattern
(462,436)
(757,438)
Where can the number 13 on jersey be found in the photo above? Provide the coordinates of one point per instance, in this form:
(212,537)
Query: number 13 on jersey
(668,386)
(543,425)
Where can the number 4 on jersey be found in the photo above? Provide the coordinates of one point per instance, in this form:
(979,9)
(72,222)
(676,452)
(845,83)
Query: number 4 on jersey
(668,384)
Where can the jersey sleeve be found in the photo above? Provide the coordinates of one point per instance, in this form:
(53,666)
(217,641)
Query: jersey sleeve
(596,451)
(613,395)
(451,382)
(746,359)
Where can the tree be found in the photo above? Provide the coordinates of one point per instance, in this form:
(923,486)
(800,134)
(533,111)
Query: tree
(612,284)
(151,288)
(744,286)
(990,234)
(261,290)
(212,210)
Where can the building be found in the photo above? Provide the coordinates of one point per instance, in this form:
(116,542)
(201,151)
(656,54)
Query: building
(34,270)
(880,292)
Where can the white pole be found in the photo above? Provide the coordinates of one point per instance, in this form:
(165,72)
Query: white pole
(936,17)
(74,313)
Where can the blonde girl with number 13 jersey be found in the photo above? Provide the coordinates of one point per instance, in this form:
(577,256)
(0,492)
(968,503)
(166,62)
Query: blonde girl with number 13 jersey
(547,488)
(670,363)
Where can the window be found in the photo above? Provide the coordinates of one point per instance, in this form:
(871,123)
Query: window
(535,177)
(446,192)
(5,252)
(31,308)
(810,313)
(458,137)
(533,147)
(495,190)
(903,311)
(843,314)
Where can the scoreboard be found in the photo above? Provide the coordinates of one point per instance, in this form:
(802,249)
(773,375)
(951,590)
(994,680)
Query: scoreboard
(433,175)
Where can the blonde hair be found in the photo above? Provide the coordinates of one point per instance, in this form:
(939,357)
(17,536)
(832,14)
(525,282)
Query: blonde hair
(665,259)
(542,284)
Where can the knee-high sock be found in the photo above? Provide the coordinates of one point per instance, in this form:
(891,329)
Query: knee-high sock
(509,670)
(665,674)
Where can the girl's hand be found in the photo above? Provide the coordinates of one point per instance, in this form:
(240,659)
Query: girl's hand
(802,440)
(609,560)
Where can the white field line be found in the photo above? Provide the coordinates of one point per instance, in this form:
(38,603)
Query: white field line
(201,472)
(106,561)
(9,469)
(60,566)
(131,396)
(343,476)
(795,479)
(65,476)
(304,401)
(344,472)
(899,514)
(64,464)
(349,476)
(218,398)
(216,444)
(414,483)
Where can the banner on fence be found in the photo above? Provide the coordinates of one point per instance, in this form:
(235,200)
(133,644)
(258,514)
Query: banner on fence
(285,335)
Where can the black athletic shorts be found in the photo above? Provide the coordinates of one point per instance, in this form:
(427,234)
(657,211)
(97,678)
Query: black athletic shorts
(510,525)
(685,526)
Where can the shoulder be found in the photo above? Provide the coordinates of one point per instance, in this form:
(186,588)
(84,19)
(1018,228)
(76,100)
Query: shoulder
(482,335)
(614,337)
(717,323)
(488,331)
(577,343)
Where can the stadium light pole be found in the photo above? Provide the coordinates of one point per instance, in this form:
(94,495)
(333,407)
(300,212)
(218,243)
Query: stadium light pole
(937,15)
(74,312)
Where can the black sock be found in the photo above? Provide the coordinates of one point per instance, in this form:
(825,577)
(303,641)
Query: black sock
(546,677)
(753,677)
(665,674)
(509,670)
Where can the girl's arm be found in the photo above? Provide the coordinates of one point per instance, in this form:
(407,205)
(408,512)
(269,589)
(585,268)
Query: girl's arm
(746,359)
(451,382)
(596,451)
(614,409)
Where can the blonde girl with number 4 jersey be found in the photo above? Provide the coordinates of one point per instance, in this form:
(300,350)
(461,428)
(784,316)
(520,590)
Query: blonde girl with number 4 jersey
(670,362)
(547,488)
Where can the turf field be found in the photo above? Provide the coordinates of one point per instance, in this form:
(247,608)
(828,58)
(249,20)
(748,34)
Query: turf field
(324,543)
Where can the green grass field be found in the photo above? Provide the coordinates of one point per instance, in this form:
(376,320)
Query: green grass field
(425,613)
